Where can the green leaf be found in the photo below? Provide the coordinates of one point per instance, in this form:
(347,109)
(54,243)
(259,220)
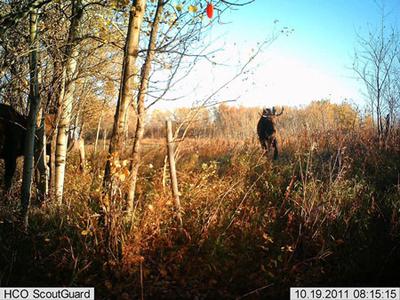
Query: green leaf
(179,7)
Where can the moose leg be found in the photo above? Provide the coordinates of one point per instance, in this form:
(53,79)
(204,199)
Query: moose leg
(275,145)
(10,166)
(263,143)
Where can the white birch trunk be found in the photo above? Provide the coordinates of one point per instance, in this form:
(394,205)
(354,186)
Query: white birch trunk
(172,170)
(82,160)
(144,83)
(98,131)
(136,15)
(34,105)
(72,54)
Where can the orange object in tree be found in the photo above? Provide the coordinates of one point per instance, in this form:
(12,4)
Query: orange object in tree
(210,10)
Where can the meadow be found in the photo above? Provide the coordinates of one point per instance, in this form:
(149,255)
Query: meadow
(326,213)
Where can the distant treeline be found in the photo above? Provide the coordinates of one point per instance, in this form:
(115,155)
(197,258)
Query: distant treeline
(238,122)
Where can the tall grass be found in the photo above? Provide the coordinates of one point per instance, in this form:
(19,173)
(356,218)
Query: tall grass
(326,213)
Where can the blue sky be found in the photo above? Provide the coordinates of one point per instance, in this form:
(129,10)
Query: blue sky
(323,28)
(322,45)
(312,63)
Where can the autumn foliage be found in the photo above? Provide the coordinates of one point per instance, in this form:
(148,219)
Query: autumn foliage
(326,213)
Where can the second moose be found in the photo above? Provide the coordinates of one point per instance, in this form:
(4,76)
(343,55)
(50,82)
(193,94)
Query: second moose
(266,130)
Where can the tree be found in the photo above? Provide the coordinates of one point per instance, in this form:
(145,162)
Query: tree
(173,49)
(377,64)
(70,82)
(33,111)
(144,84)
(66,101)
(12,18)
(131,51)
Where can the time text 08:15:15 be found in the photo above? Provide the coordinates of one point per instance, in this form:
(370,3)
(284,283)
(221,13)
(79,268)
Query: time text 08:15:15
(342,293)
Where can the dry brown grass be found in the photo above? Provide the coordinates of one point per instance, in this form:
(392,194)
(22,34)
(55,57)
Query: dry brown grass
(328,206)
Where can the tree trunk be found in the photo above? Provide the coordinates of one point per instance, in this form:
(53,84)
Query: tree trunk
(126,127)
(41,160)
(126,88)
(172,170)
(104,139)
(52,155)
(97,135)
(12,19)
(98,129)
(65,107)
(53,143)
(31,124)
(82,161)
(144,83)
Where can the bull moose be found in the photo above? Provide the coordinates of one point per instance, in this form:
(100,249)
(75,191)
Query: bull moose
(266,130)
(12,137)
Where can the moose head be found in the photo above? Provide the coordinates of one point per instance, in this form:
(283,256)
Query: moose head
(266,130)
(270,113)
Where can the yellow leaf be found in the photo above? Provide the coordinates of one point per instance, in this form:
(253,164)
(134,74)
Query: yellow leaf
(122,177)
(85,232)
(193,8)
(117,163)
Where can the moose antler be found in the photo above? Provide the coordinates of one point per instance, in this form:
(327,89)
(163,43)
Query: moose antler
(274,112)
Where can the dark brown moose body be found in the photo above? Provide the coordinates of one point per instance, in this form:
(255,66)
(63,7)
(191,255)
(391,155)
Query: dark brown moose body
(266,130)
(12,136)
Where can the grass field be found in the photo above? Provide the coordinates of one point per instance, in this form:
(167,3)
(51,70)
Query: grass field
(325,214)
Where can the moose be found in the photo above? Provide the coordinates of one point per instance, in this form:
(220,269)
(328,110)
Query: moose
(266,130)
(12,137)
